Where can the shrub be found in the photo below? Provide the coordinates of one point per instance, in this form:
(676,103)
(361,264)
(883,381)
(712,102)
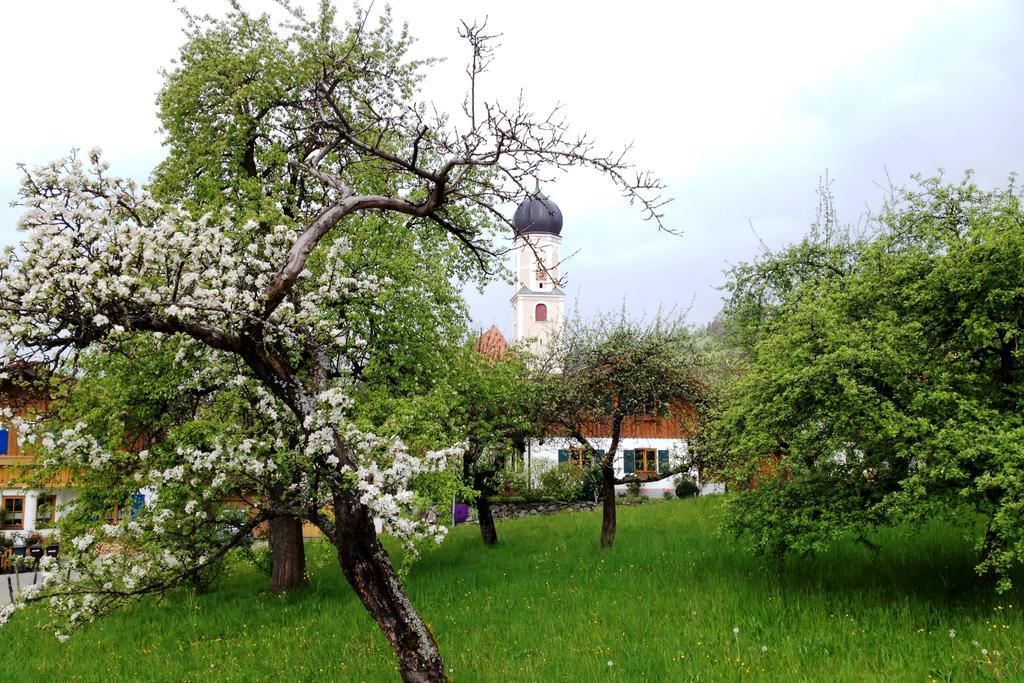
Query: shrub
(668,495)
(534,494)
(590,488)
(686,488)
(634,488)
(516,484)
(564,482)
(514,480)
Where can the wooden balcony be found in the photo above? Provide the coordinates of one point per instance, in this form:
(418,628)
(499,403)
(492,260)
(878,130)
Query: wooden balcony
(18,474)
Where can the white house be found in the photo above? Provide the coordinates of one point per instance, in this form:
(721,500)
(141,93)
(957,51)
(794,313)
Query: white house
(648,444)
(26,508)
(23,508)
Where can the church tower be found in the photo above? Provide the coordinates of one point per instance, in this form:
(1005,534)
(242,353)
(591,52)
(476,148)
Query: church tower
(538,306)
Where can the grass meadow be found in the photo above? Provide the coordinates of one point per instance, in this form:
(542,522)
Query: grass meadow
(547,605)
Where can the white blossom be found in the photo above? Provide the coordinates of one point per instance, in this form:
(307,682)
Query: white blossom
(100,247)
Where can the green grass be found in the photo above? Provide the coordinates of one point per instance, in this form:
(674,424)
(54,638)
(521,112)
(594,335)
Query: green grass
(548,605)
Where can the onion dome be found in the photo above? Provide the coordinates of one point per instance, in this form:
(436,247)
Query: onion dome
(537,215)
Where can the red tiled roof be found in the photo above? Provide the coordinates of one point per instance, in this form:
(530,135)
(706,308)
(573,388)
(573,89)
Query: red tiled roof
(492,344)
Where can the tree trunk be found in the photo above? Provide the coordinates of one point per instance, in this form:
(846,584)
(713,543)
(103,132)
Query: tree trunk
(487,529)
(287,554)
(488,532)
(369,572)
(608,506)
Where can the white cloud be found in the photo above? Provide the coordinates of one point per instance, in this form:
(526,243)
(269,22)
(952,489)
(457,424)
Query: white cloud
(739,105)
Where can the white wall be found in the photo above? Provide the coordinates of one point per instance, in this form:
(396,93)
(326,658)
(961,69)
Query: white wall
(528,248)
(524,323)
(677,454)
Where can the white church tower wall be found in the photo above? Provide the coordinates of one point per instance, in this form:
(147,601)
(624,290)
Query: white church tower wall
(538,306)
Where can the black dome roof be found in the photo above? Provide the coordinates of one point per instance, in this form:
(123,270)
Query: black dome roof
(538,215)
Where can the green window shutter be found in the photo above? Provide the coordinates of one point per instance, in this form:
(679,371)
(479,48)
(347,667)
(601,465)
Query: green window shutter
(628,464)
(138,500)
(563,455)
(663,461)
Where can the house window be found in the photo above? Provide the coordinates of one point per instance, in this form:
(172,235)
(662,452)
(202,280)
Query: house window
(645,461)
(46,511)
(540,314)
(578,456)
(114,514)
(120,512)
(13,512)
(5,436)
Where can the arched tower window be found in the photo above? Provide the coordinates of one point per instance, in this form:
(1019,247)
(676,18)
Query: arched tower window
(540,314)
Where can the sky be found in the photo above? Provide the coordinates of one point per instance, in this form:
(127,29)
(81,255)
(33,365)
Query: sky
(740,107)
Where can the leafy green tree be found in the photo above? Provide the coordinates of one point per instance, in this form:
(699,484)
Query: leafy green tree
(885,382)
(600,374)
(760,292)
(491,407)
(485,403)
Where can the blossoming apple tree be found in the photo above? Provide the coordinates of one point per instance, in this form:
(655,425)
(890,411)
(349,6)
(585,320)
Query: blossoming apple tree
(104,262)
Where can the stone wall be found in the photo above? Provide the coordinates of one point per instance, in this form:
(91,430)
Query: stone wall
(542,507)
